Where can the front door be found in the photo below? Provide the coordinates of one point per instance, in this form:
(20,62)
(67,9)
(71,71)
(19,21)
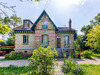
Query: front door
(58,42)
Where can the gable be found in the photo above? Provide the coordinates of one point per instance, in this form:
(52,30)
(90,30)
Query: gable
(41,19)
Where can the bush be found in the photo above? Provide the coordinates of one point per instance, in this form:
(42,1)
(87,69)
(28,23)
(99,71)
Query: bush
(71,67)
(68,66)
(43,60)
(14,55)
(87,54)
(7,56)
(78,71)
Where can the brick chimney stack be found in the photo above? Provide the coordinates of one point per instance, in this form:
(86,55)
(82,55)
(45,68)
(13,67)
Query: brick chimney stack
(70,21)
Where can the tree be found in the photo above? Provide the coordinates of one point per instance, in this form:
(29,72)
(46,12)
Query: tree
(6,20)
(10,42)
(4,29)
(78,43)
(93,38)
(15,21)
(96,20)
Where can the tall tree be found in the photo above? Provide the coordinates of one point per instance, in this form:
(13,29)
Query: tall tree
(15,21)
(93,38)
(96,20)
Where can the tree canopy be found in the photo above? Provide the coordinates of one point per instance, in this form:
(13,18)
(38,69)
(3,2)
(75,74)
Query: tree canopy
(93,38)
(4,29)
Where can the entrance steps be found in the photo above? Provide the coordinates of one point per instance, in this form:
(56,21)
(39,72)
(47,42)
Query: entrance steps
(60,52)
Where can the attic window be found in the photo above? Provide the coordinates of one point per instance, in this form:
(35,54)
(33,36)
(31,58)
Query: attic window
(45,23)
(26,24)
(44,15)
(45,26)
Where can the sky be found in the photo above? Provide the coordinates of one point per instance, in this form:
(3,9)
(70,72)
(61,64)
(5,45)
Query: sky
(60,11)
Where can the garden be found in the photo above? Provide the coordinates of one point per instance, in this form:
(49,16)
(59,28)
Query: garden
(43,62)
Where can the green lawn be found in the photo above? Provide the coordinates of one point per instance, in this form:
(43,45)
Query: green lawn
(14,70)
(25,70)
(96,55)
(91,69)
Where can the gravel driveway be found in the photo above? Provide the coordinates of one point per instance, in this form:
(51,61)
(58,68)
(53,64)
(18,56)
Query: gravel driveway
(57,69)
(59,60)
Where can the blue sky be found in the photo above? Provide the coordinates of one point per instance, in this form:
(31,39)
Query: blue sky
(80,11)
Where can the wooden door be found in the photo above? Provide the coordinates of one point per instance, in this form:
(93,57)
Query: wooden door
(58,43)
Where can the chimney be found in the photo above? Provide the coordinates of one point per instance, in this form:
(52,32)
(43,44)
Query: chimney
(70,24)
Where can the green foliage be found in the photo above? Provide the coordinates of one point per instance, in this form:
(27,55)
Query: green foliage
(43,60)
(4,29)
(14,55)
(70,67)
(15,70)
(15,21)
(96,55)
(91,69)
(87,53)
(78,43)
(85,29)
(96,20)
(78,71)
(10,42)
(93,38)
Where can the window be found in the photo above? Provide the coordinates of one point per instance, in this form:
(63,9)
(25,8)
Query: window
(45,26)
(66,41)
(26,24)
(44,15)
(45,40)
(25,39)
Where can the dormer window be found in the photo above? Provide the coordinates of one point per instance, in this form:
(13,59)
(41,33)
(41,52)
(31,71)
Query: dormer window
(26,24)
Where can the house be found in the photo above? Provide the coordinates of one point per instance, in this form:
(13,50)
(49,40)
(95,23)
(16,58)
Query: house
(30,36)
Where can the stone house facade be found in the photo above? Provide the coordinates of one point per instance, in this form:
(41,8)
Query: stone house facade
(43,32)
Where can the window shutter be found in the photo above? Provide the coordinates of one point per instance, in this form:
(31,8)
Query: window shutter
(42,38)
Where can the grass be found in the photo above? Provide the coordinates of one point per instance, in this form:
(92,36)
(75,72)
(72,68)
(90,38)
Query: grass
(91,69)
(25,58)
(96,55)
(25,70)
(14,70)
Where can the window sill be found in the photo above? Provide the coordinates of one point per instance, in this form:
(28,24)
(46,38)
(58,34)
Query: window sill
(25,43)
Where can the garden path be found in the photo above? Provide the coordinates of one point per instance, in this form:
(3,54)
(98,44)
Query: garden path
(57,69)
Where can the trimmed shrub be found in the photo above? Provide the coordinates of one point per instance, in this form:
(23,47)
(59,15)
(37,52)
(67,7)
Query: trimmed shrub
(87,54)
(78,71)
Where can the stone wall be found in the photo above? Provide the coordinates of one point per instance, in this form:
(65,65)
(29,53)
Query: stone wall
(19,46)
(52,42)
(62,36)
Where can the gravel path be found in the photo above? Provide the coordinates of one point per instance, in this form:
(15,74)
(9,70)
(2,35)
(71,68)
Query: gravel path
(57,69)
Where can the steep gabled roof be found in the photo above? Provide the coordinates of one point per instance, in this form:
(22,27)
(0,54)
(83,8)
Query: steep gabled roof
(44,12)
